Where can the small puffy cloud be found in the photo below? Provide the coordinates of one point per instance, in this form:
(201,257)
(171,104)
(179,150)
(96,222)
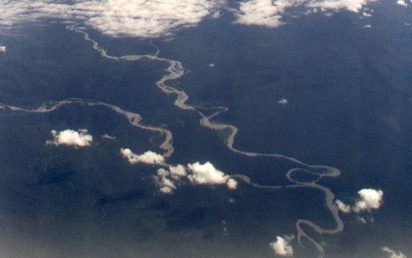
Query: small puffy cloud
(167,186)
(148,18)
(152,19)
(343,207)
(370,199)
(367,26)
(402,3)
(283,101)
(149,157)
(392,253)
(206,174)
(3,49)
(282,246)
(231,184)
(71,138)
(176,172)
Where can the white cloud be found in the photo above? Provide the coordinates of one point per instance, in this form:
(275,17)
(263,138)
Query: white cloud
(149,157)
(176,172)
(108,137)
(343,207)
(3,49)
(370,199)
(392,253)
(72,138)
(231,184)
(206,174)
(133,18)
(196,174)
(283,101)
(270,13)
(367,26)
(167,179)
(263,12)
(402,3)
(282,246)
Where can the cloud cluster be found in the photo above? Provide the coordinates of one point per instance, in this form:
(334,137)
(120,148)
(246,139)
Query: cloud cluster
(108,137)
(369,199)
(149,18)
(392,253)
(132,18)
(196,174)
(3,49)
(282,246)
(154,18)
(270,13)
(349,5)
(168,178)
(263,12)
(149,157)
(71,138)
(162,178)
(13,12)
